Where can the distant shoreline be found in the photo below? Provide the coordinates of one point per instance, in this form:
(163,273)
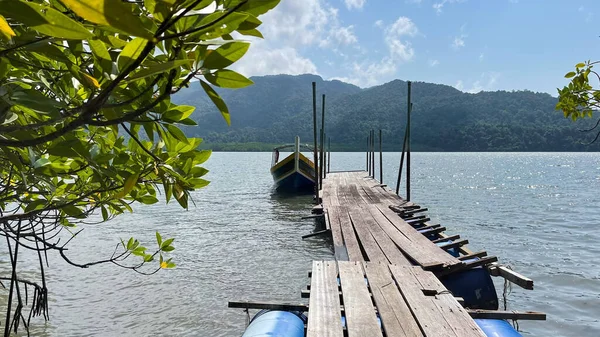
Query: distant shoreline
(267,147)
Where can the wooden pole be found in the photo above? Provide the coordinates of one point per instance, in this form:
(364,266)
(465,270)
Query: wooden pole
(370,159)
(401,163)
(380,159)
(321,171)
(315,145)
(329,154)
(373,151)
(367,153)
(324,158)
(409,108)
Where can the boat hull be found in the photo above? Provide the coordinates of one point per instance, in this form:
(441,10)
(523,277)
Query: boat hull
(294,173)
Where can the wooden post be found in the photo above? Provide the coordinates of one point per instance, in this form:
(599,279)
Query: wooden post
(315,145)
(322,141)
(324,158)
(370,158)
(380,159)
(367,153)
(373,152)
(408,145)
(329,154)
(401,164)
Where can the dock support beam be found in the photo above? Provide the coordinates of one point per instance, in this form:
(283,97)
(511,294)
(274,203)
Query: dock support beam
(380,159)
(321,166)
(316,158)
(408,145)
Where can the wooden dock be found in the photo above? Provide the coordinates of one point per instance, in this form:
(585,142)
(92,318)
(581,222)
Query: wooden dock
(389,262)
(377,298)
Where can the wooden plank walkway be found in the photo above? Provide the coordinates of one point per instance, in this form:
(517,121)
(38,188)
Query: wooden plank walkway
(364,228)
(407,301)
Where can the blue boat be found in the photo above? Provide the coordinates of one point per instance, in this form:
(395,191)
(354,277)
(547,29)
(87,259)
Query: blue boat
(294,173)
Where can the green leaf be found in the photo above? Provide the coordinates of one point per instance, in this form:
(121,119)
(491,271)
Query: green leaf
(168,249)
(168,191)
(101,55)
(225,55)
(73,211)
(251,32)
(217,100)
(4,67)
(41,163)
(45,20)
(130,244)
(158,239)
(225,78)
(131,52)
(130,183)
(177,133)
(113,13)
(258,7)
(35,205)
(147,200)
(157,68)
(178,113)
(580,65)
(570,74)
(198,182)
(167,243)
(104,213)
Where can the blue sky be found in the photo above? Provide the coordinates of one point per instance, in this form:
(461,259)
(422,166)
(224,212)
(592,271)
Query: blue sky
(472,45)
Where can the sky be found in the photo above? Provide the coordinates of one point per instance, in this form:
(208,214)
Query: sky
(472,45)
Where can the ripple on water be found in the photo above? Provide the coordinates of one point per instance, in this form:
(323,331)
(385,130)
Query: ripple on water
(536,211)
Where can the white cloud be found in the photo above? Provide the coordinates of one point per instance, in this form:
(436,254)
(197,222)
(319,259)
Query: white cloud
(486,81)
(340,36)
(459,85)
(433,63)
(402,26)
(481,56)
(378,23)
(264,60)
(459,42)
(400,50)
(358,4)
(438,6)
(298,22)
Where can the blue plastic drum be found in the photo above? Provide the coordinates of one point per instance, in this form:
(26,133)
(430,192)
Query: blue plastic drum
(275,324)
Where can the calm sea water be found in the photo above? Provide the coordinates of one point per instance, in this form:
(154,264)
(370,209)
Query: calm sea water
(538,212)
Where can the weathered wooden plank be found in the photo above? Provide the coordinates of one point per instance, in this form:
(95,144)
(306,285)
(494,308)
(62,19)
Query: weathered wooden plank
(396,317)
(389,248)
(267,305)
(511,275)
(361,320)
(370,246)
(470,256)
(324,316)
(496,314)
(452,237)
(339,249)
(428,254)
(350,241)
(452,312)
(421,306)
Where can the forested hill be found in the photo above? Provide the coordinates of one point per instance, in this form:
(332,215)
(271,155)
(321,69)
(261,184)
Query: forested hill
(276,108)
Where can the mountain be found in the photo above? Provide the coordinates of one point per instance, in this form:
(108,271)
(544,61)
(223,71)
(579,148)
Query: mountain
(278,107)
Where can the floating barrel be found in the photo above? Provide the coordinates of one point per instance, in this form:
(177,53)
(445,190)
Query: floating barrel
(474,285)
(497,328)
(276,324)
